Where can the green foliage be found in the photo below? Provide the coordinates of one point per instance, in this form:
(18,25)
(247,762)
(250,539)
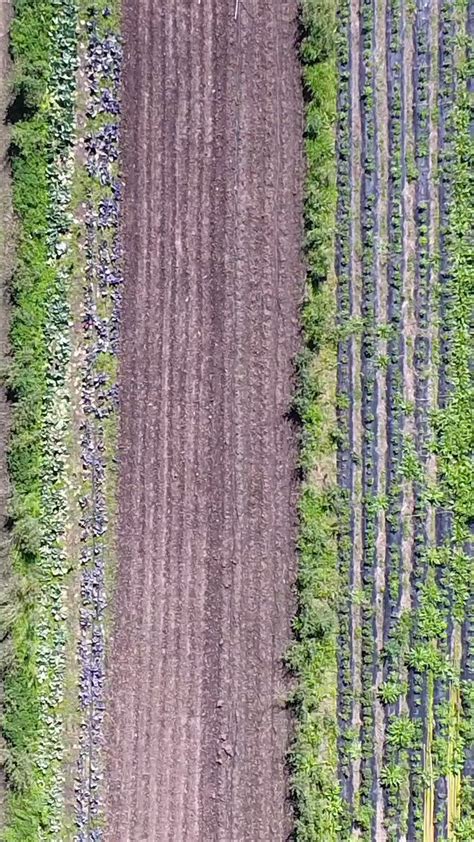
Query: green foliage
(393,777)
(391,690)
(43,49)
(30,39)
(313,657)
(402,732)
(30,287)
(454,425)
(318,53)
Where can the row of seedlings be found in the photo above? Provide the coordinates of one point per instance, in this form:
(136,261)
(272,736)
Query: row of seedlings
(346,664)
(101,300)
(356,434)
(416,452)
(462,247)
(413,710)
(378,500)
(406,728)
(443,741)
(394,773)
(401,737)
(366,814)
(453,424)
(430,326)
(393,634)
(53,602)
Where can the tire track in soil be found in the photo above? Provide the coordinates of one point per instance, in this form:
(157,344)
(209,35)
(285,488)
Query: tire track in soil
(131,582)
(189,186)
(174,573)
(194,219)
(197,733)
(147,464)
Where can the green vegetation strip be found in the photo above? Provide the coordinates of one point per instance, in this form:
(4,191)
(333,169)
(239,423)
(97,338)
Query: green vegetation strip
(44,47)
(313,656)
(454,427)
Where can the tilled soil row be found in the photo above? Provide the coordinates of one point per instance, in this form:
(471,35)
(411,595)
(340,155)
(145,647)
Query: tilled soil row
(197,728)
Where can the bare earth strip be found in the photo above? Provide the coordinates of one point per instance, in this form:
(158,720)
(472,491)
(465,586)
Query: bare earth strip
(197,730)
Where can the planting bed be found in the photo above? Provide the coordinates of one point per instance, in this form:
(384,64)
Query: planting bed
(403,701)
(166,356)
(197,729)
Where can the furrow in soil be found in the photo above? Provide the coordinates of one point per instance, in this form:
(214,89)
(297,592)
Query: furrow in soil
(197,726)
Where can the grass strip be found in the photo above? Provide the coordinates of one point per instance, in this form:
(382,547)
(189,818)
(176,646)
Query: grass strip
(314,758)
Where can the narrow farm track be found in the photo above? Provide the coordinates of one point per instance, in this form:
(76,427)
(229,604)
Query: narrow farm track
(197,731)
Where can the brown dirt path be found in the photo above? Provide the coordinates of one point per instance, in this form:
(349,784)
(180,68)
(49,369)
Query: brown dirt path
(197,732)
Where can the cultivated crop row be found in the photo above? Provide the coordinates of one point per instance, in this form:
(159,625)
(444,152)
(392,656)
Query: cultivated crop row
(97,226)
(404,410)
(405,571)
(62,382)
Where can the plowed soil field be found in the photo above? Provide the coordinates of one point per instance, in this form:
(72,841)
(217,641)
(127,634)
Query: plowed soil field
(197,729)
